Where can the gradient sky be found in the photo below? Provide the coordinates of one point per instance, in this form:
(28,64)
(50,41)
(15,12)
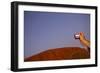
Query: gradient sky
(47,30)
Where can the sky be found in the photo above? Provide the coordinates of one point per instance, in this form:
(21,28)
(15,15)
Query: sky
(48,30)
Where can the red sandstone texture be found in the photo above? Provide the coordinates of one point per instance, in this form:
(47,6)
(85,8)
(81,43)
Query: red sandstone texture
(66,53)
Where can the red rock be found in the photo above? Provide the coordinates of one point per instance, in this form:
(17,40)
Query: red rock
(65,53)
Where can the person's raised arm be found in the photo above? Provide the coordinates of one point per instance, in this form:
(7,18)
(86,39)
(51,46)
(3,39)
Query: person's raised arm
(84,41)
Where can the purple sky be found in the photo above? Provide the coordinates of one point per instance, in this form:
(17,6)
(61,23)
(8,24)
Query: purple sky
(47,30)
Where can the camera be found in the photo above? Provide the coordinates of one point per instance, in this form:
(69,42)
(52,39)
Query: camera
(77,36)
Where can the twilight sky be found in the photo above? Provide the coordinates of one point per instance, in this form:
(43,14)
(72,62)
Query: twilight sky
(47,30)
